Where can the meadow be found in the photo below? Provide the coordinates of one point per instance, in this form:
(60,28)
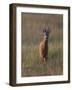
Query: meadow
(32,35)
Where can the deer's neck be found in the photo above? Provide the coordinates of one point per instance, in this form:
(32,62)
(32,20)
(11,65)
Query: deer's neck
(46,42)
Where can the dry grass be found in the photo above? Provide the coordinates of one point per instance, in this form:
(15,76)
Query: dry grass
(31,37)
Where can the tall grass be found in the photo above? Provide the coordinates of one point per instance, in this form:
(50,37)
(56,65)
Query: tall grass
(31,37)
(31,65)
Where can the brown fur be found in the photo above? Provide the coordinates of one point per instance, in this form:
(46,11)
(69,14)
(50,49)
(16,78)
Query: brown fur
(43,50)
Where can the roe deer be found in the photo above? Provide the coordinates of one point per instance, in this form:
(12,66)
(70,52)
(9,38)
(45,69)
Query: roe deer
(43,47)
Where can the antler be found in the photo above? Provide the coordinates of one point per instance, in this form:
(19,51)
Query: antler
(46,28)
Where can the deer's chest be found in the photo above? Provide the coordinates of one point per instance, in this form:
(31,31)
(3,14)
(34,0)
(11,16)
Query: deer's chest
(44,48)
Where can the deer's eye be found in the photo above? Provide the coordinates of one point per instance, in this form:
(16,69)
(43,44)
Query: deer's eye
(46,34)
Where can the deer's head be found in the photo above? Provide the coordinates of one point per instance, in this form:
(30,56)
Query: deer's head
(46,33)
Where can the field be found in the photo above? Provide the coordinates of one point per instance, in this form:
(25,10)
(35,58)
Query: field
(32,35)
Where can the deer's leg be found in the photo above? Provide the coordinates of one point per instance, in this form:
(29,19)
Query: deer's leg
(42,59)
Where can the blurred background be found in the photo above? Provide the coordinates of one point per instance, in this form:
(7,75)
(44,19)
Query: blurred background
(32,35)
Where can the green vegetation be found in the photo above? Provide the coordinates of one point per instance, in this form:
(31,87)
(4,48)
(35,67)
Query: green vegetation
(31,37)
